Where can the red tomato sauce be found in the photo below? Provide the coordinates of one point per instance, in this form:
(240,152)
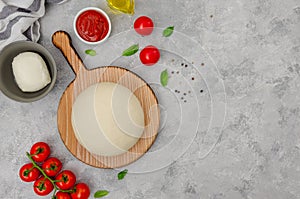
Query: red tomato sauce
(92,26)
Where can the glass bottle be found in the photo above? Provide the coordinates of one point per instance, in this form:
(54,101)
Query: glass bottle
(125,6)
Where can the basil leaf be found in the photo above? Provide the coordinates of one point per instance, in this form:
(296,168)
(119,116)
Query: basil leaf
(168,31)
(164,77)
(100,193)
(131,50)
(90,52)
(122,174)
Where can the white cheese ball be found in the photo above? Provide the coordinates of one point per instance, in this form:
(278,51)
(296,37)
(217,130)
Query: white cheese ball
(30,71)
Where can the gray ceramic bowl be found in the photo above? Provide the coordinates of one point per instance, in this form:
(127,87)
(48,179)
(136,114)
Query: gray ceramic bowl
(7,81)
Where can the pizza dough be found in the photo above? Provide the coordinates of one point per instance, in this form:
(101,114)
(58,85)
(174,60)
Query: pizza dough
(30,71)
(107,119)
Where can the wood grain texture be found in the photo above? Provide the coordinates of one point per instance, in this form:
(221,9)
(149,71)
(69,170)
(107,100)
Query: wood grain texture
(84,79)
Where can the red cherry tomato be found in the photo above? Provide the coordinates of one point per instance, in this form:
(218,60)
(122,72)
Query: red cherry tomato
(62,195)
(81,191)
(52,166)
(29,173)
(65,180)
(149,55)
(42,186)
(40,151)
(143,25)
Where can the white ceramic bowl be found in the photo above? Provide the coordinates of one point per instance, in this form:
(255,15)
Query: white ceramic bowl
(98,10)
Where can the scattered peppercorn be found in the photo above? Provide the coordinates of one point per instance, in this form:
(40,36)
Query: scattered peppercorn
(186,65)
(202,64)
(201,91)
(193,78)
(177,72)
(184,93)
(182,64)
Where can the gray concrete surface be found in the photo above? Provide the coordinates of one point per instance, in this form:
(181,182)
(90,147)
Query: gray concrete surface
(254,154)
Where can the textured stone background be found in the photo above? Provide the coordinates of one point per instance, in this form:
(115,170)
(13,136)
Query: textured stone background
(256,46)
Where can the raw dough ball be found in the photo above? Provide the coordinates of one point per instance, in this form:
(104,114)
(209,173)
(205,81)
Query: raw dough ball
(107,119)
(30,71)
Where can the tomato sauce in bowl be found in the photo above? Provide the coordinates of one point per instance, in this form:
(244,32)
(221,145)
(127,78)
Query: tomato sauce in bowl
(92,25)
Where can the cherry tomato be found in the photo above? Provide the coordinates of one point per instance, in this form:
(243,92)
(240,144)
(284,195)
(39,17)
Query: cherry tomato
(40,151)
(62,195)
(65,180)
(149,55)
(143,25)
(52,166)
(29,173)
(42,186)
(81,191)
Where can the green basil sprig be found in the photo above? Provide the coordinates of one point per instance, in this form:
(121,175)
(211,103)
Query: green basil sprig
(164,78)
(131,50)
(122,174)
(168,31)
(101,193)
(90,52)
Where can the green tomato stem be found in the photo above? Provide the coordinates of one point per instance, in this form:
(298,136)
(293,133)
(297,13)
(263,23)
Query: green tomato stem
(46,177)
(54,192)
(39,168)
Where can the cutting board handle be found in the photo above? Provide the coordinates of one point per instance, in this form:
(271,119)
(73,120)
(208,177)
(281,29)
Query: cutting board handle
(62,41)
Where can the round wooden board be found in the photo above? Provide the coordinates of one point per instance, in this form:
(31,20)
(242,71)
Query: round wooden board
(84,79)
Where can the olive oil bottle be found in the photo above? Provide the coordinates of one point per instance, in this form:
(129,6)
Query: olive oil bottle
(125,6)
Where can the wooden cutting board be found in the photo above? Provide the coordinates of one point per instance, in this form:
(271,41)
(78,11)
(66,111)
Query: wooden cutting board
(84,79)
